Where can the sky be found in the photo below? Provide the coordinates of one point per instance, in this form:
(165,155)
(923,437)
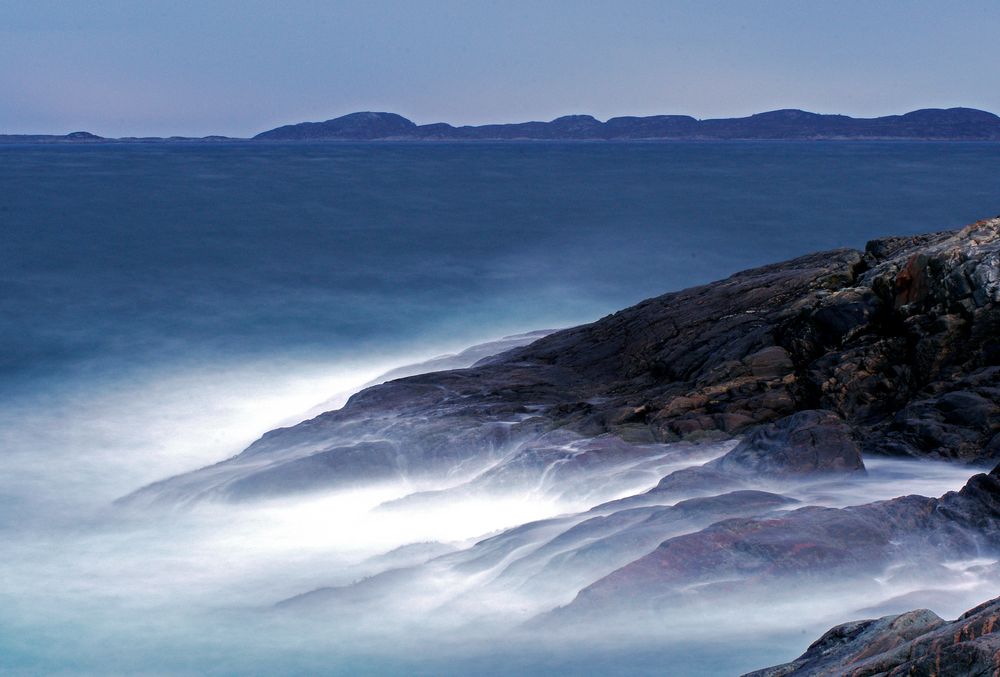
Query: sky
(238,67)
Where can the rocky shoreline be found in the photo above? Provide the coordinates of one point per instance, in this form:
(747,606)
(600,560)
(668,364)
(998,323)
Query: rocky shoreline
(899,343)
(797,372)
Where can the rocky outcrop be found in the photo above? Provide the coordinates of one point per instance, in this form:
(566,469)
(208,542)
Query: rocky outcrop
(625,569)
(807,444)
(742,404)
(617,376)
(898,345)
(913,643)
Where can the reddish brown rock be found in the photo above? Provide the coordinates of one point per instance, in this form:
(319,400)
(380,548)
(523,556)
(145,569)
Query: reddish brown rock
(915,643)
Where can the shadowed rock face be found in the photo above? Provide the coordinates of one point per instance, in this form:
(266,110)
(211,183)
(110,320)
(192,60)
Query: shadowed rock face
(915,643)
(898,345)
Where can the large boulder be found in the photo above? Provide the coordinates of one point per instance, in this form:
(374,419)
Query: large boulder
(811,441)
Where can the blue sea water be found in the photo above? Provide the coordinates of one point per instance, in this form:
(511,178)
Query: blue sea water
(122,255)
(162,305)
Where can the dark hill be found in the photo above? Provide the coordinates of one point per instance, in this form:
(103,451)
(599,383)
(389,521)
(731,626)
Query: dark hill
(73,137)
(353,126)
(929,124)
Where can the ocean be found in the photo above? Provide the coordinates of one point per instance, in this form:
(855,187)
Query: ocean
(117,256)
(164,305)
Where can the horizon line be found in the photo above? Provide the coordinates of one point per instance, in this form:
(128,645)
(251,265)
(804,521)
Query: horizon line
(487,124)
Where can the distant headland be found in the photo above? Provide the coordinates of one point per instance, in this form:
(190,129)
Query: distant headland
(929,124)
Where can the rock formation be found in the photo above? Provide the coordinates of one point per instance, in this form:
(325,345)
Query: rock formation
(896,347)
(732,405)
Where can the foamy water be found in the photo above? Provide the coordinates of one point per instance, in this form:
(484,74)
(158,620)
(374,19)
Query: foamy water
(90,588)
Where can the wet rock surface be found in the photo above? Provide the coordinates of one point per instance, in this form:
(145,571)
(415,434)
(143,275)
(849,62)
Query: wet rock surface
(553,557)
(800,550)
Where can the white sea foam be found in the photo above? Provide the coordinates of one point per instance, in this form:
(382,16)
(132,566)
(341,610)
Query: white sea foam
(107,591)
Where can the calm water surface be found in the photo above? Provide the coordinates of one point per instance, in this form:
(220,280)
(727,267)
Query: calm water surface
(123,255)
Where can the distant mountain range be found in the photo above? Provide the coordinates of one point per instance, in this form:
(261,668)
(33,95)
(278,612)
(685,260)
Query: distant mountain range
(951,124)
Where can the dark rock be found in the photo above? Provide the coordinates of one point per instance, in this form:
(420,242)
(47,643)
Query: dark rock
(954,424)
(687,344)
(838,646)
(915,643)
(357,463)
(908,365)
(809,441)
(365,125)
(770,362)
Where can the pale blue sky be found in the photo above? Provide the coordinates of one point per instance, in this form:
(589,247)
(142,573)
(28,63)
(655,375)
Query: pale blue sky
(238,67)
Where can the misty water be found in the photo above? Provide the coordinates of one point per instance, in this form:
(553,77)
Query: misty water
(163,306)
